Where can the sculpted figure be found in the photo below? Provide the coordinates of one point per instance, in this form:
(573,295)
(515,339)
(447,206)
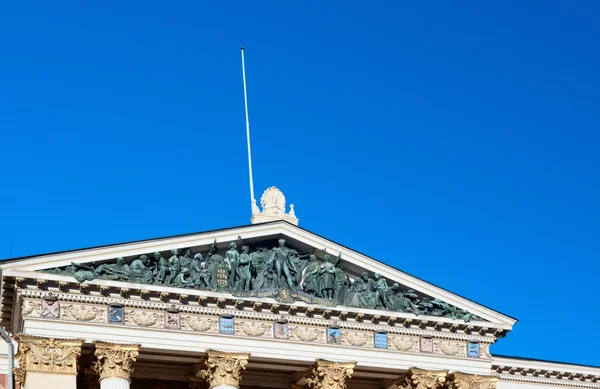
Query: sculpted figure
(182,280)
(231,260)
(279,263)
(174,266)
(341,282)
(198,273)
(310,276)
(160,268)
(117,271)
(141,270)
(381,289)
(187,258)
(327,278)
(369,296)
(81,272)
(243,274)
(354,298)
(401,301)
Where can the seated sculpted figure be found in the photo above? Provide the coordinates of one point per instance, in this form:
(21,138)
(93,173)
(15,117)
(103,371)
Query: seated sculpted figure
(142,270)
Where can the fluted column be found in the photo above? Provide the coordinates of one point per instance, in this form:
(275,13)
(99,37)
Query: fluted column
(47,363)
(115,364)
(221,370)
(471,381)
(422,379)
(329,375)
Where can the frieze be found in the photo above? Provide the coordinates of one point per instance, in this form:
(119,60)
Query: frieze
(188,313)
(144,319)
(281,273)
(405,343)
(356,338)
(307,334)
(255,328)
(450,348)
(31,308)
(82,312)
(199,324)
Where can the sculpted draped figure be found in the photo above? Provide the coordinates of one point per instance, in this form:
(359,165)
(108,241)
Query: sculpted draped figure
(269,272)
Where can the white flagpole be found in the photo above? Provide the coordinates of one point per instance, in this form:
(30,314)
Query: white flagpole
(247,131)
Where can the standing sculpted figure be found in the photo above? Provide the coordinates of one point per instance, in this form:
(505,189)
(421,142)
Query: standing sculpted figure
(310,276)
(174,266)
(231,260)
(327,278)
(160,270)
(381,289)
(244,271)
(279,263)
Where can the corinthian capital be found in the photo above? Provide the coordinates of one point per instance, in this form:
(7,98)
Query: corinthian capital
(329,375)
(222,368)
(115,360)
(472,381)
(46,355)
(422,379)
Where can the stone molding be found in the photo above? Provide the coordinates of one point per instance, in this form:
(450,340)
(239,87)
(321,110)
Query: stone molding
(45,355)
(115,360)
(221,368)
(101,302)
(329,375)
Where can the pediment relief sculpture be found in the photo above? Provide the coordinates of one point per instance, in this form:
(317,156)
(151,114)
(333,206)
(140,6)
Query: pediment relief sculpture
(280,272)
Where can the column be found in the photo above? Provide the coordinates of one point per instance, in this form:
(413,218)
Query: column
(47,363)
(471,381)
(422,379)
(221,370)
(115,364)
(329,375)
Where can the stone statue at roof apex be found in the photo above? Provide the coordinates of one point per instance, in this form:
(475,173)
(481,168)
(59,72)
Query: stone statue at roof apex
(272,202)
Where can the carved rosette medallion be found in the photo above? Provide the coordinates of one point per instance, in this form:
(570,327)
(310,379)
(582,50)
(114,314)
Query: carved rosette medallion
(55,356)
(422,379)
(329,375)
(472,381)
(222,368)
(115,360)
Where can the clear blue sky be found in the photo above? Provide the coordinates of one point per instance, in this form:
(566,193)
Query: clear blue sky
(456,141)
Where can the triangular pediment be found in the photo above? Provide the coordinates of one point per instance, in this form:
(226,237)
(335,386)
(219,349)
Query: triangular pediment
(252,262)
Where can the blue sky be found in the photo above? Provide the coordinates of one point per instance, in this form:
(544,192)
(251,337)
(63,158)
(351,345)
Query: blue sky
(455,141)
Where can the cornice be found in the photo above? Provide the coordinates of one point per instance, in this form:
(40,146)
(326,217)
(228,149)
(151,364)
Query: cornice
(546,373)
